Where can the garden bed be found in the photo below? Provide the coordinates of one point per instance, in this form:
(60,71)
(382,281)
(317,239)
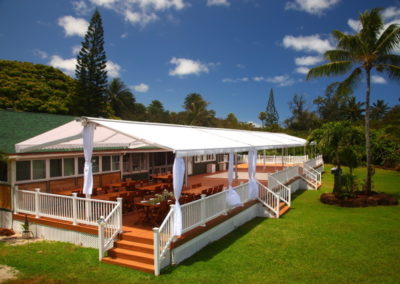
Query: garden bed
(359,199)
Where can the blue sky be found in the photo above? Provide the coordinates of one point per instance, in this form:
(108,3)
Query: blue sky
(232,52)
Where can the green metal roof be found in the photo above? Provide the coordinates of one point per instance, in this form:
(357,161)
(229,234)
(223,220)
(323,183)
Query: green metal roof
(16,127)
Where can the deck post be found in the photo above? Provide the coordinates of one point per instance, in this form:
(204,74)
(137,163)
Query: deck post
(101,238)
(203,210)
(74,208)
(156,243)
(15,199)
(37,205)
(119,200)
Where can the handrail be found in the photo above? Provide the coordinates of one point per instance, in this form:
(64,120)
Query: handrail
(315,172)
(310,177)
(283,190)
(269,198)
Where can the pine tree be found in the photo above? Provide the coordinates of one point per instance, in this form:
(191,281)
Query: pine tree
(272,116)
(91,72)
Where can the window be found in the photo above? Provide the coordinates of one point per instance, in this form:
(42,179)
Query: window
(106,163)
(95,164)
(3,171)
(81,165)
(55,167)
(23,170)
(115,163)
(69,166)
(39,169)
(204,158)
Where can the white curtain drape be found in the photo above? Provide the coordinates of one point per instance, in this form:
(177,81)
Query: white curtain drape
(178,175)
(252,174)
(232,197)
(88,133)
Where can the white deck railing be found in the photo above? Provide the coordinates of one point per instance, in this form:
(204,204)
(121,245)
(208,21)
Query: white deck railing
(276,160)
(62,207)
(269,198)
(283,176)
(194,214)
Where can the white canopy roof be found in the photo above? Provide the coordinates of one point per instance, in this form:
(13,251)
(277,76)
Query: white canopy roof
(181,139)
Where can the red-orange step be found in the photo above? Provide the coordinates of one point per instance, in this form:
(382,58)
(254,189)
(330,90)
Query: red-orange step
(145,267)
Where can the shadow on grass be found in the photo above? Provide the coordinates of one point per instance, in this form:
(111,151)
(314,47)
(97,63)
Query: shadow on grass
(298,193)
(214,248)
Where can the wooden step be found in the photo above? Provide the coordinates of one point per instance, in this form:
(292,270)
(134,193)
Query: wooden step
(135,246)
(138,256)
(145,267)
(134,237)
(281,205)
(283,210)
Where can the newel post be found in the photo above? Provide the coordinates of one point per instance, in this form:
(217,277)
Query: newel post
(100,222)
(74,208)
(203,210)
(37,203)
(15,199)
(119,200)
(156,244)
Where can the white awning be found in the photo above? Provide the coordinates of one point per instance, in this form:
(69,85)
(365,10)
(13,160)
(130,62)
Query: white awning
(181,139)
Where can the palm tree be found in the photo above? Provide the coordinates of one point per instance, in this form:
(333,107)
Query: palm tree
(120,98)
(369,49)
(379,109)
(353,110)
(262,116)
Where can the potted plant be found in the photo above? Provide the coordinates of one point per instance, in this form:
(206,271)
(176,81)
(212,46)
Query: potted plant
(26,233)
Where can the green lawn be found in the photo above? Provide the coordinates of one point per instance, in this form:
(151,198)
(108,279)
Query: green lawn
(313,242)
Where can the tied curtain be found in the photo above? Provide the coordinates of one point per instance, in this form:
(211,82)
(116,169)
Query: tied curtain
(88,133)
(252,174)
(178,172)
(232,197)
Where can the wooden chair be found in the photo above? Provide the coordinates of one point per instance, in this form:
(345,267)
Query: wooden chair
(158,213)
(210,191)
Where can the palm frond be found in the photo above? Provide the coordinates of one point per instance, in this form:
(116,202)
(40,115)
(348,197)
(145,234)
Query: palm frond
(338,55)
(392,59)
(372,24)
(392,70)
(332,68)
(345,41)
(346,87)
(389,39)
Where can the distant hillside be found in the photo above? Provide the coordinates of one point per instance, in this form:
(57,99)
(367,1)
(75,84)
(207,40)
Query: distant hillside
(25,86)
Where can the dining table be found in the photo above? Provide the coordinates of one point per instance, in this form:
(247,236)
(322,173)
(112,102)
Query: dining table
(196,190)
(162,176)
(151,187)
(147,207)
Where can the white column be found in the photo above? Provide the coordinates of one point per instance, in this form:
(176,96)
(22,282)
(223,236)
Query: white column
(178,174)
(232,197)
(88,133)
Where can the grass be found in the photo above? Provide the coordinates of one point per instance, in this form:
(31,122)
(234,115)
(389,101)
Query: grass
(312,243)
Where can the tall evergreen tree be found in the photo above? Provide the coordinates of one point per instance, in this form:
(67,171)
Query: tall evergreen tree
(272,116)
(91,72)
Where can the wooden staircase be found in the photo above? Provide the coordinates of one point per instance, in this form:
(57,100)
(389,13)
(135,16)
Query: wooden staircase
(283,208)
(134,249)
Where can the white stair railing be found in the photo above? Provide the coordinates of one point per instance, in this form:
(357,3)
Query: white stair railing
(316,173)
(163,237)
(282,190)
(310,177)
(109,228)
(269,198)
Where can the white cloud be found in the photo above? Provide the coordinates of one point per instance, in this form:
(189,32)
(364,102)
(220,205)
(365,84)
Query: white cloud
(312,43)
(218,3)
(66,65)
(308,60)
(390,12)
(302,70)
(73,26)
(185,66)
(40,53)
(315,7)
(113,69)
(280,80)
(124,35)
(378,79)
(355,25)
(141,12)
(241,66)
(235,80)
(80,7)
(141,88)
(76,49)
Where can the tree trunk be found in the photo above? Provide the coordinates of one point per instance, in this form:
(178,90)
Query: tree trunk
(367,138)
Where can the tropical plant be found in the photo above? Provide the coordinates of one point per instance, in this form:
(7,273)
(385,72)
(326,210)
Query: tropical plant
(91,72)
(353,110)
(262,116)
(156,112)
(121,99)
(196,111)
(340,141)
(371,48)
(379,109)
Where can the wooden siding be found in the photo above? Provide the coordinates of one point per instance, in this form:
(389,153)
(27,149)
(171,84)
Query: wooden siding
(5,196)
